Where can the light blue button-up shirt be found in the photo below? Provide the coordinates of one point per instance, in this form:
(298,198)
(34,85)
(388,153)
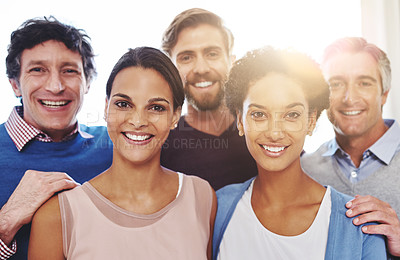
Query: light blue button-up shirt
(379,154)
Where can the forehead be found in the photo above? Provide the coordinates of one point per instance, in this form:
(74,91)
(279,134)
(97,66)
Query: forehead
(275,90)
(349,65)
(143,83)
(197,38)
(50,51)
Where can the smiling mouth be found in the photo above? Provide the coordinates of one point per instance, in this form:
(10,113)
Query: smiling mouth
(351,113)
(203,84)
(54,104)
(138,138)
(273,149)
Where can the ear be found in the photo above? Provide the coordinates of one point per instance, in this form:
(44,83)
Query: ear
(312,122)
(87,89)
(239,123)
(232,58)
(106,110)
(384,97)
(175,117)
(15,87)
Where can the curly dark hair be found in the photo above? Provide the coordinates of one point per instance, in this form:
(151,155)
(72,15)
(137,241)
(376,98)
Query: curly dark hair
(38,30)
(258,63)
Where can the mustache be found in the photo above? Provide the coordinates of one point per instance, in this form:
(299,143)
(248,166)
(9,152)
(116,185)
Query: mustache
(201,78)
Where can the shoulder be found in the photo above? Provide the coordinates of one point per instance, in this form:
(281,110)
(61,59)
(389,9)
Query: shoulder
(339,200)
(199,184)
(48,213)
(231,193)
(317,153)
(349,237)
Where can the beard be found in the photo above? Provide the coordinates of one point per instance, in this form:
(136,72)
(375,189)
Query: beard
(205,102)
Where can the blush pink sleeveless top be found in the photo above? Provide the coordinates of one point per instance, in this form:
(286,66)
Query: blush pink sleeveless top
(95,228)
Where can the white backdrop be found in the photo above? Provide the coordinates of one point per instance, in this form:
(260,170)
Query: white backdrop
(381,25)
(115,26)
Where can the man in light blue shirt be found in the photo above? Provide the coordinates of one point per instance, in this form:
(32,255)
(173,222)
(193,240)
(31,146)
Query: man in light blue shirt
(363,158)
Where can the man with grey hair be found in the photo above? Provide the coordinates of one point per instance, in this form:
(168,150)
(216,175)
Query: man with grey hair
(363,159)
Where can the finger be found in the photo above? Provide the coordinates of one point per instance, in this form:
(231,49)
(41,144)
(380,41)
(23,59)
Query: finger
(362,199)
(50,177)
(376,216)
(381,229)
(63,184)
(362,208)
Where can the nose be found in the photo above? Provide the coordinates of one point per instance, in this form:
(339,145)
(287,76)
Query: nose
(201,66)
(350,94)
(276,129)
(54,84)
(137,119)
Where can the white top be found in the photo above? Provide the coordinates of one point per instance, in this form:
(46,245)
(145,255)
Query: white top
(246,238)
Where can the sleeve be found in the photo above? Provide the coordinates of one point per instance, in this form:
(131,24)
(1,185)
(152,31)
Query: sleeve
(374,248)
(5,251)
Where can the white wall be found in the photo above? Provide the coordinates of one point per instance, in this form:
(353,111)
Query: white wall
(381,25)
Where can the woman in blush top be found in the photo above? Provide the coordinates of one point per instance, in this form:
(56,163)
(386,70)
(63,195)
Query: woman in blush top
(282,213)
(136,209)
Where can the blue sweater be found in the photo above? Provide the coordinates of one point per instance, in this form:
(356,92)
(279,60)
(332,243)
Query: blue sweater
(80,158)
(345,240)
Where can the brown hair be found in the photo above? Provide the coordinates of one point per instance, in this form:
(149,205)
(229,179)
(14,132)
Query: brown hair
(192,18)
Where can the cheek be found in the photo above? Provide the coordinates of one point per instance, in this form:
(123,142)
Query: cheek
(254,127)
(299,127)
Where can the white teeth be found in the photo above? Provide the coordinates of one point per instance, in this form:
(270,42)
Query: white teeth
(49,103)
(351,113)
(203,84)
(137,137)
(273,149)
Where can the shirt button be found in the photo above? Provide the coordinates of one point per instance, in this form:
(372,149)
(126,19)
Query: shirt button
(354,174)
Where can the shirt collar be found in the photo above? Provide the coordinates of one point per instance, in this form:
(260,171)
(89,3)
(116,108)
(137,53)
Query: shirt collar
(332,148)
(22,133)
(385,148)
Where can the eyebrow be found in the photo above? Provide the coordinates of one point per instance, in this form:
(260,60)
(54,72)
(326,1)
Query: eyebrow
(43,62)
(288,106)
(157,99)
(367,77)
(206,49)
(359,77)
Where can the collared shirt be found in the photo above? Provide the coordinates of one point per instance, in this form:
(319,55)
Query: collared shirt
(22,133)
(379,154)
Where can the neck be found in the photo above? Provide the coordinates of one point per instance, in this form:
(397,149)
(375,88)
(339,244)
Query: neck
(355,146)
(213,122)
(284,187)
(58,136)
(128,178)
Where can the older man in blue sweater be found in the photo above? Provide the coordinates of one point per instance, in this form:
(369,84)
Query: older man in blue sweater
(50,66)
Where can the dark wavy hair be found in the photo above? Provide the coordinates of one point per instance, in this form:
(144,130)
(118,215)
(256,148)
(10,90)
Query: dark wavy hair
(38,30)
(150,58)
(258,63)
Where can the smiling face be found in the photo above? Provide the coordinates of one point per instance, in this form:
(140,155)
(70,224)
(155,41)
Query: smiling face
(139,114)
(52,84)
(275,121)
(203,62)
(356,98)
